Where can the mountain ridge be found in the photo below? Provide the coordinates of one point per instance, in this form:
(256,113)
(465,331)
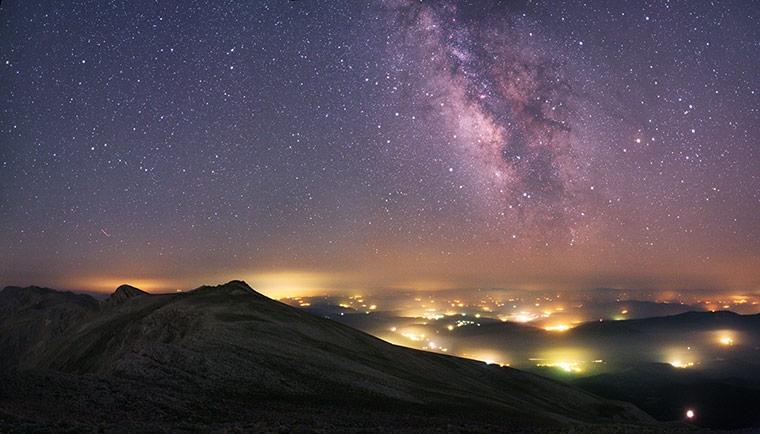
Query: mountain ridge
(122,293)
(230,341)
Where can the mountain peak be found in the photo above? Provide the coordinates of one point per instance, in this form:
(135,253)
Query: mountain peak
(40,297)
(234,287)
(123,293)
(15,291)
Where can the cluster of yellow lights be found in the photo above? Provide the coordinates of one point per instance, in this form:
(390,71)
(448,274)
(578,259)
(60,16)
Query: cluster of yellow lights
(433,346)
(558,328)
(298,300)
(413,336)
(678,364)
(464,322)
(524,317)
(566,366)
(726,341)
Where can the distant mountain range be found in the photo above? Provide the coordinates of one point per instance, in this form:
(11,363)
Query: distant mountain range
(227,357)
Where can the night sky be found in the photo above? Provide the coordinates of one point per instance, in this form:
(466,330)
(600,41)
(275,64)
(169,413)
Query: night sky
(308,146)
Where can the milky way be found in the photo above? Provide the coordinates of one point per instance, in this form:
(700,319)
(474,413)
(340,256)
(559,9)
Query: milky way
(507,104)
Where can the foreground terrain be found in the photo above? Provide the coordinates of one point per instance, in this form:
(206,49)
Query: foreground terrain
(225,358)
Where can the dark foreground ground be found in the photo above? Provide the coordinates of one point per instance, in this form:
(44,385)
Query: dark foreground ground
(227,359)
(53,402)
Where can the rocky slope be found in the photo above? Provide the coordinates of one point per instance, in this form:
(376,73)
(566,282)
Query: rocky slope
(227,351)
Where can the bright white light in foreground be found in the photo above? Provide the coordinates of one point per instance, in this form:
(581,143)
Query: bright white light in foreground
(726,341)
(690,414)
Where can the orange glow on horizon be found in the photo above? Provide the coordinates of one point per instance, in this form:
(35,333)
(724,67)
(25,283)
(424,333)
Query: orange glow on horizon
(108,285)
(295,283)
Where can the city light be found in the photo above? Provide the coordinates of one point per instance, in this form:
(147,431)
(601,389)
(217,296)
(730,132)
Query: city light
(565,366)
(435,321)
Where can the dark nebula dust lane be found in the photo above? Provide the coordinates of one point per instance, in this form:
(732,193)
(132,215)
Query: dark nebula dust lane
(309,146)
(507,102)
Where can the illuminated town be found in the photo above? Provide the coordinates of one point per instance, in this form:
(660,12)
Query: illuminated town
(527,330)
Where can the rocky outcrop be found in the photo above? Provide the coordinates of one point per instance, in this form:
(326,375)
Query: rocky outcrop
(122,293)
(31,318)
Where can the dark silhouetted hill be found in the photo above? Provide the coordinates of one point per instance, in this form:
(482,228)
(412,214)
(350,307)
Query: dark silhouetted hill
(32,317)
(226,354)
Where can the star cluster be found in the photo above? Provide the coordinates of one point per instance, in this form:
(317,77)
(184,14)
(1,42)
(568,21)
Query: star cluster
(395,144)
